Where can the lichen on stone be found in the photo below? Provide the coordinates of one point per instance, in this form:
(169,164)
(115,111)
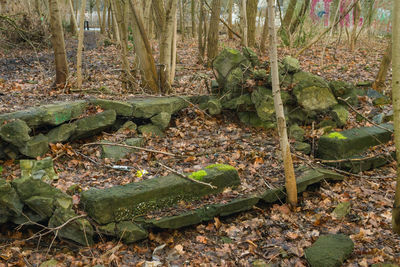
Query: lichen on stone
(221,167)
(337,135)
(198,175)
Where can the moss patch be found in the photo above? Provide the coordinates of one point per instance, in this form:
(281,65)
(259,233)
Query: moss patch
(337,135)
(198,175)
(221,167)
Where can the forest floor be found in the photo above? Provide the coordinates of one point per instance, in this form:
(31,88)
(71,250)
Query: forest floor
(274,233)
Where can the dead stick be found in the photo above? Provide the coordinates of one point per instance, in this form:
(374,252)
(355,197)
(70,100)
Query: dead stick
(185,177)
(226,24)
(351,160)
(135,147)
(359,113)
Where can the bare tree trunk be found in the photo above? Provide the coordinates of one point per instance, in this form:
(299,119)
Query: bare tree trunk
(396,110)
(173,52)
(181,20)
(244,23)
(147,17)
(80,45)
(251,15)
(356,19)
(74,25)
(99,13)
(230,7)
(193,15)
(103,22)
(264,33)
(123,33)
(287,19)
(57,39)
(114,22)
(290,179)
(143,51)
(212,47)
(300,18)
(379,82)
(201,33)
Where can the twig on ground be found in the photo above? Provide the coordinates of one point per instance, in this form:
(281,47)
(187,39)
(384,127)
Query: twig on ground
(185,177)
(135,147)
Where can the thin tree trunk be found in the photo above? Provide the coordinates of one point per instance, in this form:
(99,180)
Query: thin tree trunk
(57,39)
(114,22)
(147,17)
(201,33)
(103,22)
(287,19)
(230,7)
(173,52)
(99,13)
(80,45)
(212,47)
(193,15)
(356,19)
(143,51)
(290,179)
(181,20)
(300,18)
(396,110)
(379,82)
(251,15)
(264,35)
(74,25)
(244,23)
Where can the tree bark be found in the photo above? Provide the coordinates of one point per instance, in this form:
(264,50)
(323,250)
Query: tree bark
(193,15)
(103,22)
(264,33)
(99,13)
(80,45)
(212,47)
(356,19)
(396,110)
(181,20)
(143,51)
(114,22)
(201,33)
(287,19)
(300,18)
(230,10)
(290,179)
(379,82)
(57,39)
(244,23)
(251,15)
(74,25)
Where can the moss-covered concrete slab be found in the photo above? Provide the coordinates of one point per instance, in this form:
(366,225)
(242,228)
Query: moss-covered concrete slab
(10,204)
(342,145)
(39,169)
(37,146)
(120,107)
(124,202)
(15,132)
(61,133)
(93,124)
(130,232)
(329,251)
(359,164)
(148,107)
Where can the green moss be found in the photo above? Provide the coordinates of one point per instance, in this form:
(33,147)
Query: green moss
(221,167)
(198,175)
(337,135)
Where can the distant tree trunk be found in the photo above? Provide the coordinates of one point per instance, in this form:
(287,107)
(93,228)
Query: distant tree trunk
(74,26)
(57,39)
(201,33)
(230,7)
(114,22)
(99,13)
(290,179)
(243,19)
(356,19)
(181,20)
(212,47)
(80,45)
(143,51)
(123,33)
(287,19)
(379,82)
(396,110)
(193,15)
(173,52)
(251,15)
(148,18)
(300,18)
(264,35)
(109,19)
(103,22)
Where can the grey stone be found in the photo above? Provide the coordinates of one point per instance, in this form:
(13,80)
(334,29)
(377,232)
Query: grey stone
(241,103)
(329,251)
(260,74)
(251,56)
(49,263)
(39,169)
(37,146)
(125,202)
(130,232)
(61,133)
(10,204)
(312,92)
(264,103)
(15,132)
(344,90)
(78,230)
(93,124)
(296,132)
(291,64)
(161,120)
(340,114)
(341,210)
(118,152)
(252,119)
(150,129)
(148,107)
(127,126)
(342,145)
(302,147)
(121,108)
(214,106)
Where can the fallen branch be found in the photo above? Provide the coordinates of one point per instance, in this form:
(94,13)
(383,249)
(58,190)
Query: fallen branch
(135,147)
(185,177)
(370,121)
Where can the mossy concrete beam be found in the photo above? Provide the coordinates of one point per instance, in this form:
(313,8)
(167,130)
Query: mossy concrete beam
(148,107)
(125,202)
(342,145)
